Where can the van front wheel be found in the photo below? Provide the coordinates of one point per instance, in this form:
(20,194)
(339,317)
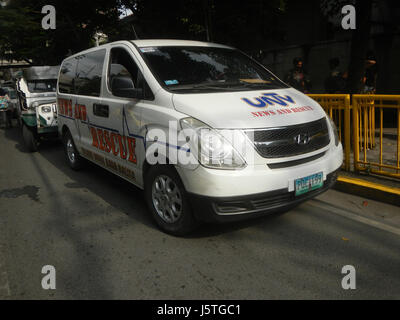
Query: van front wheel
(167,201)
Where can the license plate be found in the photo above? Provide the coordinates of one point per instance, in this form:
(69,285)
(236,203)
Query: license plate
(306,184)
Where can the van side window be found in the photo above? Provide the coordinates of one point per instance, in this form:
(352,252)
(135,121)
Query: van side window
(89,73)
(66,83)
(124,73)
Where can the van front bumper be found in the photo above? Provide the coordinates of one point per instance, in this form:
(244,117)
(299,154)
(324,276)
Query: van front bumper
(229,209)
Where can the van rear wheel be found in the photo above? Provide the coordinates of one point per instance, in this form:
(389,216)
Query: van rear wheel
(75,161)
(30,139)
(167,200)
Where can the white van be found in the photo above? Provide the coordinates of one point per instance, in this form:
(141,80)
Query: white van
(207,132)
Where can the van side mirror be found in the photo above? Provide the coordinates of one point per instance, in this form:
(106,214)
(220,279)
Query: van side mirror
(124,87)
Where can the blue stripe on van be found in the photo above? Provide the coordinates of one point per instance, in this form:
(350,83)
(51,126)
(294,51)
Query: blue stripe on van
(60,115)
(101,127)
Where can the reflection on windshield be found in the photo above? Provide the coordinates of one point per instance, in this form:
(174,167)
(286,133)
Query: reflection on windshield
(42,86)
(208,69)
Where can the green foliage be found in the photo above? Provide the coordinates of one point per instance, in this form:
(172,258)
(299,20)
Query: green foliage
(22,36)
(244,24)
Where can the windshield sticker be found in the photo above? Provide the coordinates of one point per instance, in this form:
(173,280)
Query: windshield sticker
(269,99)
(171,82)
(147,49)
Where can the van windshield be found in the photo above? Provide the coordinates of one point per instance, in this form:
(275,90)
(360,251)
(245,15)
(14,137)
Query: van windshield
(207,69)
(38,86)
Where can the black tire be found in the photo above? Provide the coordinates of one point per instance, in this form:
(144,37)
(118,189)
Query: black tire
(30,138)
(75,161)
(186,221)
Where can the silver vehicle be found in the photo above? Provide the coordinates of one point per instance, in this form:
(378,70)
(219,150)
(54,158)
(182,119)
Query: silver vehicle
(37,104)
(207,132)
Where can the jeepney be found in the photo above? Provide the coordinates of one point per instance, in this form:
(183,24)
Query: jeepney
(37,104)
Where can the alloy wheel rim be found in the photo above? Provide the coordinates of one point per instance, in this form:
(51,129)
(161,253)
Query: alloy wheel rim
(167,198)
(70,150)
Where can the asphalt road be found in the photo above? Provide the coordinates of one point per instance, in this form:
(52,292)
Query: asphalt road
(95,230)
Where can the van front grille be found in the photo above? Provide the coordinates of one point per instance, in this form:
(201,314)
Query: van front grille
(290,141)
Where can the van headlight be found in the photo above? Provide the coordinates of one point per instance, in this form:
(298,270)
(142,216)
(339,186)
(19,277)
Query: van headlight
(210,147)
(45,109)
(335,131)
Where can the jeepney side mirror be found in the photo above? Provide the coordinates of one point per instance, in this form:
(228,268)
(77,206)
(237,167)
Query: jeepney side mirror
(124,87)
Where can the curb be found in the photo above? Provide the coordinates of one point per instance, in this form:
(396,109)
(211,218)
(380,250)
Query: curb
(368,190)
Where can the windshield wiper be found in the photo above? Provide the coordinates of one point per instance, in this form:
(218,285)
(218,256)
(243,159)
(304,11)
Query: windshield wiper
(225,86)
(202,85)
(259,85)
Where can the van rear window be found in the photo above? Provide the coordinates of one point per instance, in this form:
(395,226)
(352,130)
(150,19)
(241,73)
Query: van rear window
(89,73)
(82,75)
(67,76)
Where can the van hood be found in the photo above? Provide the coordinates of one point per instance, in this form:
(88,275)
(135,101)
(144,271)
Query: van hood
(249,109)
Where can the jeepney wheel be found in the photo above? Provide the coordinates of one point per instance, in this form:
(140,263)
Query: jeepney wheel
(19,120)
(75,161)
(30,139)
(167,200)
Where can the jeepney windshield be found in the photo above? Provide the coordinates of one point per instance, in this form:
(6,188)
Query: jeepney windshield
(188,69)
(37,86)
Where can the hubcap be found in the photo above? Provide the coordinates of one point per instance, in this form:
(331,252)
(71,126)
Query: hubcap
(70,150)
(167,199)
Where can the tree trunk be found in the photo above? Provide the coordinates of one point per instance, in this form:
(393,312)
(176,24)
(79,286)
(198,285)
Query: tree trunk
(207,20)
(359,45)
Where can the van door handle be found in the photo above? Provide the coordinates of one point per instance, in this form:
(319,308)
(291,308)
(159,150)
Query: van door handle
(100,110)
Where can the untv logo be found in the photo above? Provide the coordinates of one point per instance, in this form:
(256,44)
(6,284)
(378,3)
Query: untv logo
(269,99)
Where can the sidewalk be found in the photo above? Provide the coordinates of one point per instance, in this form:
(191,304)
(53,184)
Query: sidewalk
(390,133)
(371,186)
(378,188)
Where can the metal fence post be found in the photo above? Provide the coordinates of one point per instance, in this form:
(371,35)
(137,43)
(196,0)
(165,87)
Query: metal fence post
(347,132)
(356,151)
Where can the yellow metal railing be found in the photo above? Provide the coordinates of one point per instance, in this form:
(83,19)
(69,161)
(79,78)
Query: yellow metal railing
(362,128)
(365,108)
(337,106)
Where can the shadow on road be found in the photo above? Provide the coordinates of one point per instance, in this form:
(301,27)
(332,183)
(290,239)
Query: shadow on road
(14,134)
(300,254)
(117,192)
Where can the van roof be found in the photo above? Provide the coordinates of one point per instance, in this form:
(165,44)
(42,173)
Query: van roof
(172,42)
